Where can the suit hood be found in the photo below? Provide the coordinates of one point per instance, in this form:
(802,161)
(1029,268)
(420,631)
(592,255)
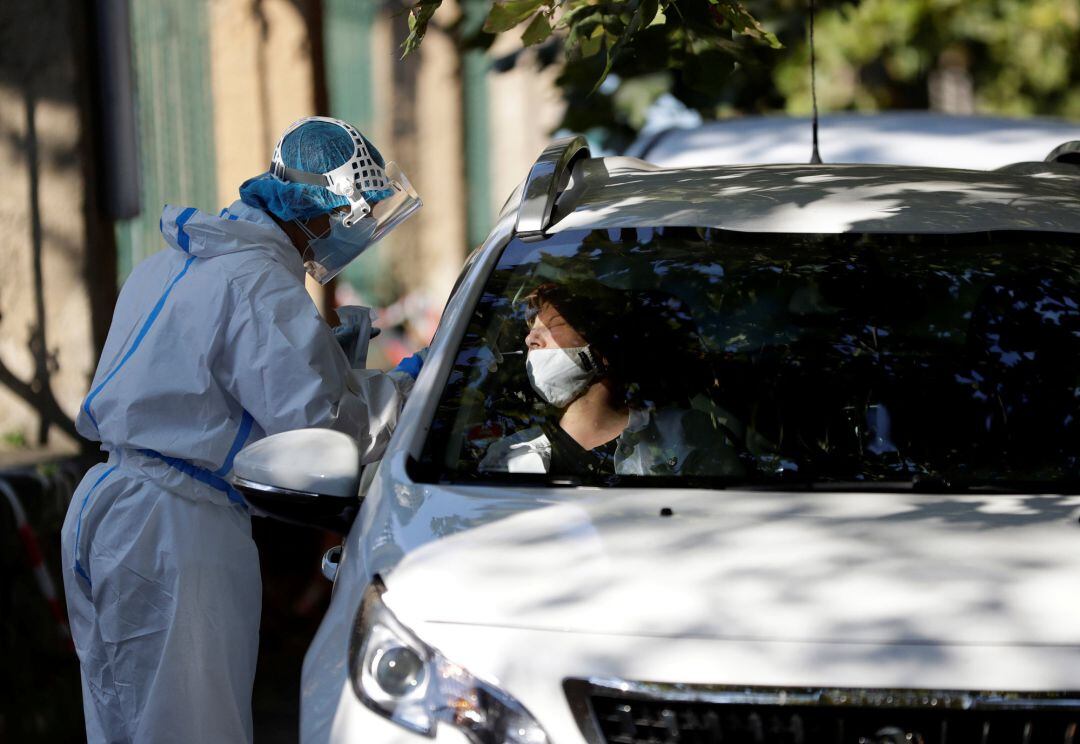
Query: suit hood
(237,228)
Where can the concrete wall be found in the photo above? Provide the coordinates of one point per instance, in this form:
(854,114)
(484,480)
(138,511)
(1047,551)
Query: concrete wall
(46,354)
(435,146)
(262,80)
(525,108)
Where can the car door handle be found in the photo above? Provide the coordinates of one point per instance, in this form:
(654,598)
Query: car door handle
(330,561)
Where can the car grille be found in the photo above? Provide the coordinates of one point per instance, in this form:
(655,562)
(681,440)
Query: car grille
(617,712)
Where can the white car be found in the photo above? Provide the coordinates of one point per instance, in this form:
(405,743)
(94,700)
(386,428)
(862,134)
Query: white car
(922,138)
(847,511)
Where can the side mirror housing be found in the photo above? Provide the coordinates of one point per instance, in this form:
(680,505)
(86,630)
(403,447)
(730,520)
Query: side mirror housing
(308,476)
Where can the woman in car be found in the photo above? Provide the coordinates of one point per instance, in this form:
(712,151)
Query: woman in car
(620,371)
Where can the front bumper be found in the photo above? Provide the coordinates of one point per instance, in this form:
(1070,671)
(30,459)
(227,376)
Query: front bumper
(534,665)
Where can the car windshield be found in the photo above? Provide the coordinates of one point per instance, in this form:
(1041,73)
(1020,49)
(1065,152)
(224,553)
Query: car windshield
(711,357)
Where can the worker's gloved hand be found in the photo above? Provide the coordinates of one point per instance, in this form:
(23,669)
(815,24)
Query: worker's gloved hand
(355,331)
(411,365)
(346,335)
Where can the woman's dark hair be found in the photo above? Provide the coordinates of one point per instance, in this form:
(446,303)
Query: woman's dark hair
(648,340)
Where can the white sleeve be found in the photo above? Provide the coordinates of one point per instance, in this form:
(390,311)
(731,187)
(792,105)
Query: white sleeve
(281,363)
(527,451)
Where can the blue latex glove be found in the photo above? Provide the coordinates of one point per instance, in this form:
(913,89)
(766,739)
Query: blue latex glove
(411,365)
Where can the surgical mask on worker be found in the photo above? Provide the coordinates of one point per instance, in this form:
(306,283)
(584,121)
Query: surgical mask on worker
(559,375)
(326,255)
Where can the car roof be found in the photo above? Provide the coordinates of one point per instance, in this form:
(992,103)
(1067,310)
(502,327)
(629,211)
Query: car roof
(622,192)
(906,138)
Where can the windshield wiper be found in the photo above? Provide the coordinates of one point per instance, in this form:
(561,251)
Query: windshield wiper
(926,483)
(1052,487)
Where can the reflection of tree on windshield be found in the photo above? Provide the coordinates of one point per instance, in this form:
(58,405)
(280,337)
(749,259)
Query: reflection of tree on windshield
(1023,342)
(832,357)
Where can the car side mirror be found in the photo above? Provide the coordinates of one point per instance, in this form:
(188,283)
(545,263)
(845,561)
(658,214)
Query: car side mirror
(308,476)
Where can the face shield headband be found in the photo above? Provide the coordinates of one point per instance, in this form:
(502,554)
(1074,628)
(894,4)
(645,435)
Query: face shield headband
(363,224)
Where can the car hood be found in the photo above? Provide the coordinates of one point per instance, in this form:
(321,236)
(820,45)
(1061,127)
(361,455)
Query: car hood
(807,567)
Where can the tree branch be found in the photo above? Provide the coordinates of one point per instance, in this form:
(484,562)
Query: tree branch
(42,402)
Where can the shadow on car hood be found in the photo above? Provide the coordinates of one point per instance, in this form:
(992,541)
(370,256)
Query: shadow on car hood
(829,567)
(822,199)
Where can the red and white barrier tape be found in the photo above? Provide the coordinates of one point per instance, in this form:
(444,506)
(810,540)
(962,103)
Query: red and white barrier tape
(37,561)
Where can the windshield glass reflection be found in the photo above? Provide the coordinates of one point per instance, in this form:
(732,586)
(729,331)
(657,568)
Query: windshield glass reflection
(704,355)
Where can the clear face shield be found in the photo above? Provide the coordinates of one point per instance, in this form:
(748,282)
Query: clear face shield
(353,232)
(362,225)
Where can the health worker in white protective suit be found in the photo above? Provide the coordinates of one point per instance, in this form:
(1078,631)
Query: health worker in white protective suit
(215,343)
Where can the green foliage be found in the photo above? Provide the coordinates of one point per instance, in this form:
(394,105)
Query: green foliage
(641,48)
(505,14)
(726,57)
(538,30)
(671,33)
(419,17)
(1021,55)
(15,439)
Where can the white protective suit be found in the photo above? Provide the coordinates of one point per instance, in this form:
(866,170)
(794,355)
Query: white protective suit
(214,344)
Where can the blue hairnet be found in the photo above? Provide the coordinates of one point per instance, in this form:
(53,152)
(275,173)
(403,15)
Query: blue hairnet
(315,147)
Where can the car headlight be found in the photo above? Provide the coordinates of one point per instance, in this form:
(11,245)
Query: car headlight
(399,676)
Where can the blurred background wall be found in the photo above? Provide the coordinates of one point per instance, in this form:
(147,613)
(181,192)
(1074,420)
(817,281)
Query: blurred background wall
(208,87)
(111,108)
(46,251)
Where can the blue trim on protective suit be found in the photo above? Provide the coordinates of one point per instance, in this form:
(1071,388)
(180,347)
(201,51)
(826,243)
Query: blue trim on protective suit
(78,525)
(242,435)
(182,238)
(200,474)
(138,340)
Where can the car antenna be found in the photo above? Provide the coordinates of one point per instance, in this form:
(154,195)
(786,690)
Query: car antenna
(815,156)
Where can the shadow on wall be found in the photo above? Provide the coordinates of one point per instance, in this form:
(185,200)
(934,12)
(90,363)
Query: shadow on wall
(57,269)
(37,392)
(51,217)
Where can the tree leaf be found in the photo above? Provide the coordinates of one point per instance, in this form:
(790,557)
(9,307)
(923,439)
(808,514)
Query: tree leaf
(419,15)
(505,14)
(592,44)
(643,13)
(537,31)
(577,15)
(742,22)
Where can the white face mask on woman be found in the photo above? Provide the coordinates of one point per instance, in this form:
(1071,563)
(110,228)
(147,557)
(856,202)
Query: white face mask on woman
(560,376)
